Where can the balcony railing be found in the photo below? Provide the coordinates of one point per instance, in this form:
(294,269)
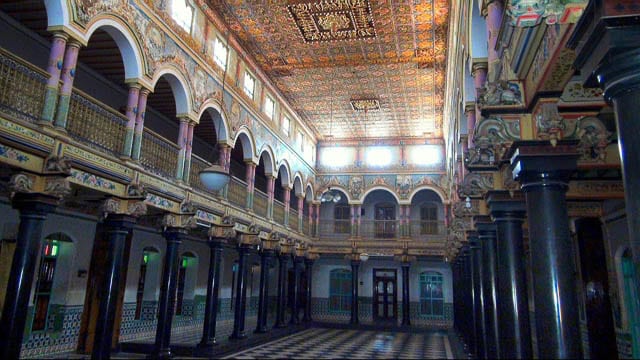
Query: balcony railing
(22,87)
(334,229)
(260,203)
(198,164)
(306,228)
(278,212)
(382,229)
(293,219)
(237,192)
(159,155)
(426,228)
(95,123)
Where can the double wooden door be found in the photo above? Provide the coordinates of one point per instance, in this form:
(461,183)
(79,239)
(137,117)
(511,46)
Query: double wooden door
(385,294)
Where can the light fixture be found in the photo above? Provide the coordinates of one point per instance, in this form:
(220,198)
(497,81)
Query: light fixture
(216,176)
(330,196)
(467,202)
(364,256)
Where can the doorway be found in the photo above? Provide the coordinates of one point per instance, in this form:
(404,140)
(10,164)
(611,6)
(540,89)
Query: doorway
(385,220)
(385,298)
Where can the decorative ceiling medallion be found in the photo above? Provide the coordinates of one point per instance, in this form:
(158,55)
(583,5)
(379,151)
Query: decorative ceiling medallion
(331,20)
(365,104)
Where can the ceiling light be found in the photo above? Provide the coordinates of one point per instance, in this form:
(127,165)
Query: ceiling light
(331,196)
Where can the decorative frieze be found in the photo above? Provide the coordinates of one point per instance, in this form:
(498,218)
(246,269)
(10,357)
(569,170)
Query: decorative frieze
(500,94)
(526,13)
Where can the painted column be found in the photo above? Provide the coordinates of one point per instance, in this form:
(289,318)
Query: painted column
(250,176)
(33,209)
(295,307)
(187,158)
(479,73)
(355,265)
(225,161)
(316,221)
(139,126)
(407,214)
(283,259)
(353,220)
(287,205)
(56,57)
(487,239)
(117,228)
(358,220)
(544,172)
(168,292)
(470,114)
(271,183)
(131,114)
(493,13)
(307,306)
(508,212)
(300,212)
(263,299)
(182,144)
(213,291)
(67,76)
(406,309)
(241,293)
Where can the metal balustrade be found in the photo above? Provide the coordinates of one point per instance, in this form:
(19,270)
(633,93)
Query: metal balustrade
(22,88)
(159,155)
(237,194)
(278,212)
(95,123)
(334,229)
(382,229)
(260,203)
(293,219)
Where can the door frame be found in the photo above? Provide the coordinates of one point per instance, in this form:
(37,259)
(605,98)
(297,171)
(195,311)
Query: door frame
(374,290)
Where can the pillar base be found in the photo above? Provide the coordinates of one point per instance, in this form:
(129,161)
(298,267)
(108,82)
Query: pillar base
(240,336)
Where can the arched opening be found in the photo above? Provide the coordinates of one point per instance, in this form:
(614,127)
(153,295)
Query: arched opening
(379,215)
(335,218)
(426,214)
(186,285)
(147,290)
(206,150)
(237,193)
(263,169)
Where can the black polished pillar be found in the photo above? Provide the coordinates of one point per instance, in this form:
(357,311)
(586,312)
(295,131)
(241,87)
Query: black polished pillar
(487,238)
(355,265)
(33,212)
(295,305)
(466,290)
(307,306)
(216,248)
(168,291)
(544,171)
(406,310)
(508,212)
(283,260)
(472,315)
(478,301)
(263,299)
(241,293)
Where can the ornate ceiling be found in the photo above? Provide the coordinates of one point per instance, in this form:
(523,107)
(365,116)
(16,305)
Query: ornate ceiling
(324,54)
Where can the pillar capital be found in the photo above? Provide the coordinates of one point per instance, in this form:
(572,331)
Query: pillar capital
(222,232)
(542,164)
(479,64)
(505,204)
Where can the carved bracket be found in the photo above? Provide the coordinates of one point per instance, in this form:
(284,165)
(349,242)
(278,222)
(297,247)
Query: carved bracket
(492,137)
(133,208)
(500,93)
(475,185)
(526,13)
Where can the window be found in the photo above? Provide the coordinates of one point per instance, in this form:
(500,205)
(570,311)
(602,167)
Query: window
(269,107)
(429,219)
(342,219)
(182,13)
(141,280)
(286,125)
(431,296)
(249,84)
(301,141)
(185,263)
(220,53)
(44,283)
(340,291)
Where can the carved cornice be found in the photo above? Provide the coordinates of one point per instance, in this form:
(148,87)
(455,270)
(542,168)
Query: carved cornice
(54,184)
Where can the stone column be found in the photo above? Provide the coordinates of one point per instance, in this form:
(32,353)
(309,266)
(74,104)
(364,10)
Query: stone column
(283,260)
(487,238)
(353,220)
(131,114)
(295,306)
(139,126)
(241,293)
(493,13)
(271,183)
(355,265)
(189,151)
(470,112)
(544,171)
(67,76)
(308,262)
(219,235)
(300,199)
(406,299)
(56,56)
(312,214)
(182,144)
(479,73)
(250,176)
(168,291)
(478,301)
(513,305)
(287,205)
(358,220)
(33,209)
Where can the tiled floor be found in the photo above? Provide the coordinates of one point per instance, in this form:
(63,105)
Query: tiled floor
(357,344)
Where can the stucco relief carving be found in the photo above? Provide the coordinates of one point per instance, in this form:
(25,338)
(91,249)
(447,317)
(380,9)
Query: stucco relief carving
(492,137)
(475,185)
(500,93)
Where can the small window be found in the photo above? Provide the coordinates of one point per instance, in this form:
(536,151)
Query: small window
(220,53)
(186,262)
(286,125)
(342,219)
(182,13)
(44,283)
(301,141)
(269,107)
(249,84)
(340,291)
(431,295)
(429,219)
(141,282)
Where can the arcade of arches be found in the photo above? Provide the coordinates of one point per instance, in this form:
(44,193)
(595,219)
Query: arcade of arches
(458,175)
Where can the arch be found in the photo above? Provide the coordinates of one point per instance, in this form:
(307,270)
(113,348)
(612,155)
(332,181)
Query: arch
(269,159)
(297,184)
(126,41)
(344,191)
(286,174)
(308,192)
(220,123)
(57,13)
(246,140)
(435,189)
(177,81)
(380,187)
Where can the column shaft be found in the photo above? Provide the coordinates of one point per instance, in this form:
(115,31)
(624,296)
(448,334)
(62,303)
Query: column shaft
(131,114)
(282,279)
(250,176)
(295,317)
(481,334)
(265,263)
(287,205)
(406,299)
(139,127)
(189,151)
(355,264)
(182,144)
(307,305)
(241,293)
(67,76)
(487,238)
(213,291)
(56,56)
